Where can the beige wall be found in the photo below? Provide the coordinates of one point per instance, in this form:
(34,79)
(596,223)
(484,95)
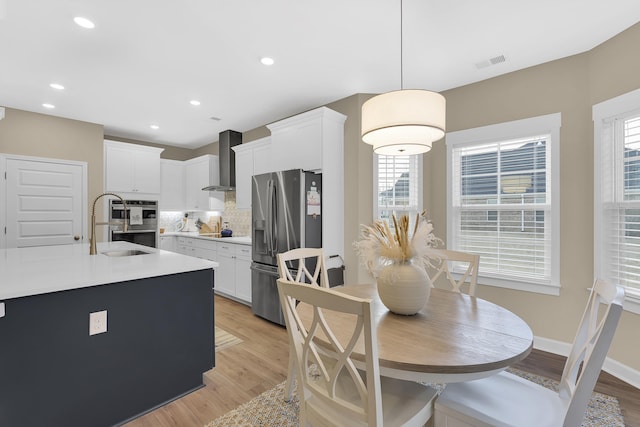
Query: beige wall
(40,135)
(569,86)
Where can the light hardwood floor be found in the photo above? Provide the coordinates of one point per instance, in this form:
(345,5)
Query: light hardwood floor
(260,362)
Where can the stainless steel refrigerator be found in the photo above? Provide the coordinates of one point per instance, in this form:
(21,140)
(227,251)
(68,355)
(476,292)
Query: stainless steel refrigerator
(286,214)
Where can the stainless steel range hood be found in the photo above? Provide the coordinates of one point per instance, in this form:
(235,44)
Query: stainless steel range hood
(227,158)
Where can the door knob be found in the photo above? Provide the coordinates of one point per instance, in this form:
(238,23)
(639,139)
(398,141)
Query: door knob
(76,238)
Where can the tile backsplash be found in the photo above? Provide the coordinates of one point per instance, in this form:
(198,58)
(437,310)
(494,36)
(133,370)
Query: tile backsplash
(239,220)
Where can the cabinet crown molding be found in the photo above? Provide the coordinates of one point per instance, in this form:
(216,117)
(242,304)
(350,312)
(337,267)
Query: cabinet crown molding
(130,146)
(322,113)
(250,145)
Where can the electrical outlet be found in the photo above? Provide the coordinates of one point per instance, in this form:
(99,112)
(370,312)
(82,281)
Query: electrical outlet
(98,322)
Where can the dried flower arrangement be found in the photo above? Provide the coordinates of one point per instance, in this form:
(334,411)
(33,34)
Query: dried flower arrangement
(380,246)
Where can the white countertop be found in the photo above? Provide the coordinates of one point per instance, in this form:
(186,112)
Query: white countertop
(44,269)
(241,240)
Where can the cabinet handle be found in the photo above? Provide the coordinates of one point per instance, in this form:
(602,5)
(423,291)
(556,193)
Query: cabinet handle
(76,238)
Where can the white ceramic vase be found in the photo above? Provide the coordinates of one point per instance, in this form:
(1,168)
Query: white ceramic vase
(404,287)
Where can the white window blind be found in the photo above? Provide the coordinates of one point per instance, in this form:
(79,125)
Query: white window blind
(501,198)
(397,186)
(616,133)
(620,199)
(503,201)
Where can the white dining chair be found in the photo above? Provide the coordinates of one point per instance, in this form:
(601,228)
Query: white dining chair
(294,265)
(509,400)
(332,391)
(445,259)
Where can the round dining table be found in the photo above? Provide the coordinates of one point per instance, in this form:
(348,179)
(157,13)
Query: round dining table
(455,337)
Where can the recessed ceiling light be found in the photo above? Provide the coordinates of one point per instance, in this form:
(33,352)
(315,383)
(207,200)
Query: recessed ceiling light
(154,127)
(194,102)
(45,105)
(57,86)
(267,61)
(83,22)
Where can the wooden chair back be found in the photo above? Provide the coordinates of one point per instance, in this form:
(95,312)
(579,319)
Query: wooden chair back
(294,265)
(507,399)
(590,348)
(446,260)
(329,385)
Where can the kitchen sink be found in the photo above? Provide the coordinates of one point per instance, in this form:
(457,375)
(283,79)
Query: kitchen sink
(126,252)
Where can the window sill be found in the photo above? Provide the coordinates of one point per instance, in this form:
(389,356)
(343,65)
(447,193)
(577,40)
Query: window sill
(632,301)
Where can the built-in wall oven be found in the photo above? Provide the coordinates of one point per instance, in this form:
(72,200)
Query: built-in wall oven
(142,221)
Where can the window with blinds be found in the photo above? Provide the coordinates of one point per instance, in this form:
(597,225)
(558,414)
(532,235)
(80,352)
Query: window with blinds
(500,194)
(503,202)
(620,199)
(616,132)
(397,186)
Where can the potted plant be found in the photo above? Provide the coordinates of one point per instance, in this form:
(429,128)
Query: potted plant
(397,260)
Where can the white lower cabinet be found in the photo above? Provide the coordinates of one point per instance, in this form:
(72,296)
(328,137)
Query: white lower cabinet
(243,272)
(199,248)
(168,243)
(184,246)
(233,276)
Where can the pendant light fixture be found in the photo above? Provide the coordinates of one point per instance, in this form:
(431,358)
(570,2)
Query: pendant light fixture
(405,121)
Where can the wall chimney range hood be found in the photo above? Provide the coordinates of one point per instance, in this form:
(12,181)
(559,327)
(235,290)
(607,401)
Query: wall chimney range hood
(227,158)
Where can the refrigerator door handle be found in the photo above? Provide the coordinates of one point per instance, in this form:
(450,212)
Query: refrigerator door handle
(268,230)
(274,219)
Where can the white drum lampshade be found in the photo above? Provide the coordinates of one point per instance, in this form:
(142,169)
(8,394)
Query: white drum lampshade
(403,122)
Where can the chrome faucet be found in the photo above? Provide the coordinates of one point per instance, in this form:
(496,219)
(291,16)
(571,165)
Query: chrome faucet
(92,240)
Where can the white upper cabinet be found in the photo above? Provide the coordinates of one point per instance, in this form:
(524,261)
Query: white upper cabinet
(172,197)
(131,168)
(307,141)
(262,157)
(252,158)
(201,172)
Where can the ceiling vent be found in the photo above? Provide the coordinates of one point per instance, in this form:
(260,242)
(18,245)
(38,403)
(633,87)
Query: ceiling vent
(491,61)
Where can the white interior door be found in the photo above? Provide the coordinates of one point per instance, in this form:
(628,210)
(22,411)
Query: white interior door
(45,202)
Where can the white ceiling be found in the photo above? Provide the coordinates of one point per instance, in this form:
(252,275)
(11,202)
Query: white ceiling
(146,59)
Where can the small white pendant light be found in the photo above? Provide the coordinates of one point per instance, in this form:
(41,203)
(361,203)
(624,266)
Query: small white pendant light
(403,122)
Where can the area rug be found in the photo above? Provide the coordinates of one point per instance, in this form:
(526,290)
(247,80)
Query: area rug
(269,409)
(224,339)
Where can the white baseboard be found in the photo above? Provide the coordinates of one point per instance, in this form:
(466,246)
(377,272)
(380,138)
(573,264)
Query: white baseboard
(613,367)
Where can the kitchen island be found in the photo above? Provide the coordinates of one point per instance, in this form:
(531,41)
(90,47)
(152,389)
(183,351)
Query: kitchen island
(159,337)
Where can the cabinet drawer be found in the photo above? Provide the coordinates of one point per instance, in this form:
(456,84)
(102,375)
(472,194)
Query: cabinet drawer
(205,254)
(242,251)
(209,245)
(185,241)
(227,249)
(186,250)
